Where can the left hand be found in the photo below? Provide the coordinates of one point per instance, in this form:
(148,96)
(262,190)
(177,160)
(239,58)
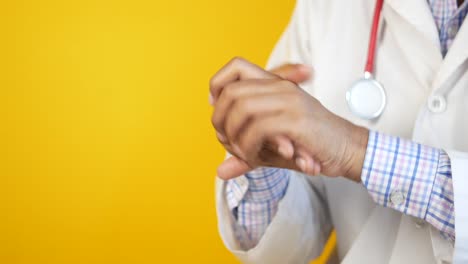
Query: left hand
(252,107)
(234,166)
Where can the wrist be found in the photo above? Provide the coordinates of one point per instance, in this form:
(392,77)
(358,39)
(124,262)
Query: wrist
(356,153)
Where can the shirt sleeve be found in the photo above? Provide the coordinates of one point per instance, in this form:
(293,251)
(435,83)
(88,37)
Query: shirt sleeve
(411,178)
(253,200)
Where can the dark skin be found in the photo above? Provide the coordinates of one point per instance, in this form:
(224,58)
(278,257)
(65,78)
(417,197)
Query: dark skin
(281,146)
(253,108)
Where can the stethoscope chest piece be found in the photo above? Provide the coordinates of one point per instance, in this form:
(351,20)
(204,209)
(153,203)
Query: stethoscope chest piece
(366,98)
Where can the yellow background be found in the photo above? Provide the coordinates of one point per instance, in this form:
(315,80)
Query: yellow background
(107,152)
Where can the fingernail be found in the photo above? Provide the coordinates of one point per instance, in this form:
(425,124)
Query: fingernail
(304,68)
(221,173)
(210,99)
(220,137)
(283,151)
(317,169)
(301,163)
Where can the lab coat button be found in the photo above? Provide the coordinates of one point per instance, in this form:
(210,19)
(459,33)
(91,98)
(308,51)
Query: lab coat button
(397,198)
(437,104)
(420,223)
(452,31)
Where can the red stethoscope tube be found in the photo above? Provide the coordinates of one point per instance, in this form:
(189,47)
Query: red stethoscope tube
(373,37)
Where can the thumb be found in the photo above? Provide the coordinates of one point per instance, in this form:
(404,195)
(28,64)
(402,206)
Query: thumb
(296,73)
(233,167)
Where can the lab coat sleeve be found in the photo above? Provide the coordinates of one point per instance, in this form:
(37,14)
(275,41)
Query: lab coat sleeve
(296,234)
(459,163)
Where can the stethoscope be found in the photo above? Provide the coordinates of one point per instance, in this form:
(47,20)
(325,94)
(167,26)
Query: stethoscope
(366,97)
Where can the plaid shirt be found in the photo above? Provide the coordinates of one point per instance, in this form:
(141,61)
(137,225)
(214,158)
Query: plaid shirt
(448,18)
(406,176)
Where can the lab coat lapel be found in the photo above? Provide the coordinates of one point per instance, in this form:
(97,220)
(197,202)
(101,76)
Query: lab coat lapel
(418,14)
(375,242)
(412,244)
(414,29)
(456,56)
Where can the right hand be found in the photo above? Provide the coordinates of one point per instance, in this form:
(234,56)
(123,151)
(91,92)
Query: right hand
(234,166)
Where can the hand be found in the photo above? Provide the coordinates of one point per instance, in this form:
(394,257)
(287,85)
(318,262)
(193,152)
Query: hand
(252,107)
(233,166)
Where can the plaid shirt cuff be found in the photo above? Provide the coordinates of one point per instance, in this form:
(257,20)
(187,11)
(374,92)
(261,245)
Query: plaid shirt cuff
(440,212)
(254,200)
(411,178)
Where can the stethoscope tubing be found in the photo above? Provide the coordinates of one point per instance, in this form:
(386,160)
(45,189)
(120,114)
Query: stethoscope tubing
(373,37)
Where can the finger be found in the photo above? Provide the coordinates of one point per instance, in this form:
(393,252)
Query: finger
(257,135)
(251,109)
(236,69)
(210,99)
(297,73)
(238,90)
(302,164)
(304,161)
(285,146)
(233,167)
(317,168)
(234,150)
(221,138)
(257,141)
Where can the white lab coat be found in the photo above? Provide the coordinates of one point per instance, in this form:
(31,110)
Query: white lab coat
(427,101)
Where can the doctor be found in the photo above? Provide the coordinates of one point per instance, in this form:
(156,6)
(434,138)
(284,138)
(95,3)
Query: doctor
(392,151)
